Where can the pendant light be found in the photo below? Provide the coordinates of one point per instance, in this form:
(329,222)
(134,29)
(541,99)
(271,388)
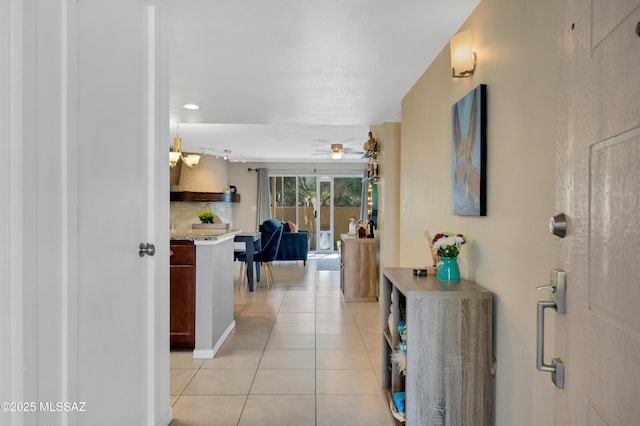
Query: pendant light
(175,154)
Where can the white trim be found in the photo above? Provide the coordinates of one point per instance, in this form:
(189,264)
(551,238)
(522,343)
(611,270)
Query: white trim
(69,202)
(203,353)
(166,418)
(5,210)
(151,216)
(210,353)
(158,387)
(69,205)
(16,191)
(64,206)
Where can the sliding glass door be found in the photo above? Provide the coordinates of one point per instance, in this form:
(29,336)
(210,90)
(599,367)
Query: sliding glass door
(307,199)
(325,215)
(321,204)
(294,198)
(347,203)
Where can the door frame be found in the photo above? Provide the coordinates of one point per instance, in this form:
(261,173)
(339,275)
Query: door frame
(159,409)
(319,181)
(12,189)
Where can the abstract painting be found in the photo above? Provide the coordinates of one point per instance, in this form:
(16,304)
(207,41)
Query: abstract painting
(469,152)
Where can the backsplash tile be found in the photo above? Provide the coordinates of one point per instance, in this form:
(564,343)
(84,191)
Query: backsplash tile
(183,214)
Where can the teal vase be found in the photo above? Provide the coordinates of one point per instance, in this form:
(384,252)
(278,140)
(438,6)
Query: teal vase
(448,269)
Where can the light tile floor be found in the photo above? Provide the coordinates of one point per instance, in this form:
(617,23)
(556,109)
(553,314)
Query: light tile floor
(299,356)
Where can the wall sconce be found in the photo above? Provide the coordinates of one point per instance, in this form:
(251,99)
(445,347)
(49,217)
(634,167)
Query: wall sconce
(191,160)
(463,58)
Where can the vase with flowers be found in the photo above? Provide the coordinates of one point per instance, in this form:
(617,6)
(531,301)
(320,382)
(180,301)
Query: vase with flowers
(447,246)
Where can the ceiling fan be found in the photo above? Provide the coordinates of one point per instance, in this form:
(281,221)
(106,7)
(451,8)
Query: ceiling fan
(338,151)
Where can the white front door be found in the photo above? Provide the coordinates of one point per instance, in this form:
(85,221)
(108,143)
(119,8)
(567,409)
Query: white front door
(598,187)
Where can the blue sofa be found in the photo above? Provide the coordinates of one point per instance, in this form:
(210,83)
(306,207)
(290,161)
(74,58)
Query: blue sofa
(294,245)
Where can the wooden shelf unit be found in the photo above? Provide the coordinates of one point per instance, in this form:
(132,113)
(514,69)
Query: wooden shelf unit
(449,348)
(210,197)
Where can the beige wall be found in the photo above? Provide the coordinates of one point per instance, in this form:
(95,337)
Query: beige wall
(388,137)
(210,175)
(246,183)
(510,251)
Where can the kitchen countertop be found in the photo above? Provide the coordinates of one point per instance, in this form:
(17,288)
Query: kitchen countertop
(203,234)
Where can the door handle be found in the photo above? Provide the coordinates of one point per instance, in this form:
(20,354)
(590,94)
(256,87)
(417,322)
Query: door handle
(557,286)
(146,248)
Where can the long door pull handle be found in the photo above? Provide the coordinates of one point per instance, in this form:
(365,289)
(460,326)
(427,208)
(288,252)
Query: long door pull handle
(557,366)
(540,357)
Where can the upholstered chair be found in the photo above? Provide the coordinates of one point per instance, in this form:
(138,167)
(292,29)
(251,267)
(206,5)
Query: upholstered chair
(271,231)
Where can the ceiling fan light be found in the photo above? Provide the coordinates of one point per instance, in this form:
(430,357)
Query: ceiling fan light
(336,151)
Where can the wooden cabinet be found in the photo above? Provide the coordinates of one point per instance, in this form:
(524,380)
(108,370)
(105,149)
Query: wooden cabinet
(449,348)
(182,323)
(359,268)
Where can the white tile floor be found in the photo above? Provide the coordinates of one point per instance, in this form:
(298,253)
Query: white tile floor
(299,356)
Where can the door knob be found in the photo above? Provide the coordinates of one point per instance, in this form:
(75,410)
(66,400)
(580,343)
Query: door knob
(146,248)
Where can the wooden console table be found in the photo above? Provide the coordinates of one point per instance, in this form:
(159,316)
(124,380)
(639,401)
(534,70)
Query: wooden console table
(359,268)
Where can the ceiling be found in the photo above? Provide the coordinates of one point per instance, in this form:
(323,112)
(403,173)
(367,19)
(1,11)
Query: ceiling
(281,80)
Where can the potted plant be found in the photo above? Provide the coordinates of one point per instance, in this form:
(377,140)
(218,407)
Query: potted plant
(206,216)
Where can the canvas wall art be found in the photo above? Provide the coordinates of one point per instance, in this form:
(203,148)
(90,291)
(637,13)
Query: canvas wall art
(469,152)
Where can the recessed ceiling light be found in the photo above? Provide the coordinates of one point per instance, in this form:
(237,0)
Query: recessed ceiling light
(190,106)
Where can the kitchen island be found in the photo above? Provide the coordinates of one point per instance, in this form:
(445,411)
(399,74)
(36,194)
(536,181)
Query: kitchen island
(213,287)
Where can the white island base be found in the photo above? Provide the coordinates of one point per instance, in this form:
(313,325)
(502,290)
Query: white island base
(214,294)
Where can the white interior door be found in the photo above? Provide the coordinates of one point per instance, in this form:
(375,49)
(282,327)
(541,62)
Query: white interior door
(598,186)
(84,320)
(122,311)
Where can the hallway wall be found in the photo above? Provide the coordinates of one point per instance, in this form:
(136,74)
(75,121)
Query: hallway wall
(510,250)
